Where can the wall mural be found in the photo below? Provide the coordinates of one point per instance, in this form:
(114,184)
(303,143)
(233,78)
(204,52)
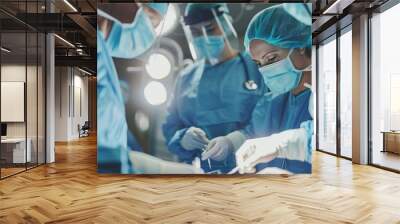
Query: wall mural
(204,88)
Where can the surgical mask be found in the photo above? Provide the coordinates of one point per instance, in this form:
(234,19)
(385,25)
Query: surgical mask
(281,77)
(210,47)
(130,40)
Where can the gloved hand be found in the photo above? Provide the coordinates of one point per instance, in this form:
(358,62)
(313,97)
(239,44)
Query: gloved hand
(290,144)
(194,138)
(218,149)
(143,163)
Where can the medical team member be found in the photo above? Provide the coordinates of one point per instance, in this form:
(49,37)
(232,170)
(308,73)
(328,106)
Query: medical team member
(280,44)
(216,95)
(124,37)
(127,36)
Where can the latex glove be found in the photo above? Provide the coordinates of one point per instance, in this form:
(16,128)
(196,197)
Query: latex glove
(143,163)
(218,149)
(194,138)
(290,144)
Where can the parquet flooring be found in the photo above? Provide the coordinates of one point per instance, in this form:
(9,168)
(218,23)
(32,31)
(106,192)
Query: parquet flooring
(70,191)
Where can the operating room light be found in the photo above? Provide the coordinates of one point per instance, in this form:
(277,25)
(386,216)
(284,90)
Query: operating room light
(158,66)
(142,121)
(169,22)
(155,93)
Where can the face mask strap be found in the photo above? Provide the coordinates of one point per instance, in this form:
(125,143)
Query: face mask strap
(290,60)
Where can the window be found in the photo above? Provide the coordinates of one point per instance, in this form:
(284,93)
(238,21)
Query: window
(385,89)
(327,96)
(346,93)
(22,78)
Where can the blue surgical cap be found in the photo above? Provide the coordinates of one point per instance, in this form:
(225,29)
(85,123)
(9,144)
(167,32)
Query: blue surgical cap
(161,8)
(277,27)
(303,14)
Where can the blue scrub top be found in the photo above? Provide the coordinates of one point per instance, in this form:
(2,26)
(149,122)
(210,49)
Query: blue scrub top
(284,112)
(214,99)
(112,140)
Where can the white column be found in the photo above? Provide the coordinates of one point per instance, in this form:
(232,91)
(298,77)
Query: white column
(360,90)
(50,99)
(50,93)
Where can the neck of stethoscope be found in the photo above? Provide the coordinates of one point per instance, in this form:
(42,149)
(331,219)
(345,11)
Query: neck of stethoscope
(246,69)
(249,84)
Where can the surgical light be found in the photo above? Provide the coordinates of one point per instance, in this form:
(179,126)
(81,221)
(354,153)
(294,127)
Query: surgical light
(169,22)
(155,93)
(158,66)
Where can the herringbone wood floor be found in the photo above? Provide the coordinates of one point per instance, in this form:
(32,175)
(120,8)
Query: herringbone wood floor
(70,191)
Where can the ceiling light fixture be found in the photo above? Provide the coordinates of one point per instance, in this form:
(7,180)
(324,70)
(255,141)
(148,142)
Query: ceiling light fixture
(84,71)
(64,40)
(337,7)
(5,50)
(70,5)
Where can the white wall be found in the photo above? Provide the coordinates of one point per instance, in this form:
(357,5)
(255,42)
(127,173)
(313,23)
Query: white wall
(69,82)
(61,103)
(14,73)
(33,126)
(80,94)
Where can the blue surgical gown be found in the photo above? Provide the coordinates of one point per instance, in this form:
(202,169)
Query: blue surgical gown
(284,112)
(112,132)
(214,99)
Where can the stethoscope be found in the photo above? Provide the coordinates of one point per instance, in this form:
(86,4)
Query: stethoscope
(249,84)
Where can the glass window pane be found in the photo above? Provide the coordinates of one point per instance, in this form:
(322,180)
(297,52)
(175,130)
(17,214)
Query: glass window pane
(327,97)
(23,85)
(385,84)
(31,97)
(13,87)
(346,94)
(41,99)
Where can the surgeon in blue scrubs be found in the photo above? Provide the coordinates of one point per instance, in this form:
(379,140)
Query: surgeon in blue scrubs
(128,36)
(280,43)
(215,95)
